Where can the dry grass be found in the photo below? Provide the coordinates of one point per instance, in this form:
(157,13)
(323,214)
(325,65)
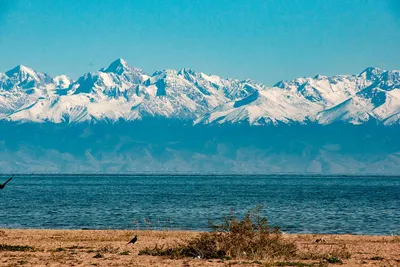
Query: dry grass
(5,247)
(248,238)
(80,246)
(299,264)
(334,253)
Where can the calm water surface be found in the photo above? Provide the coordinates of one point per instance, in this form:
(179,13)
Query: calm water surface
(358,205)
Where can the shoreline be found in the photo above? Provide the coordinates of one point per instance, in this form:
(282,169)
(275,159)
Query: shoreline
(189,231)
(184,231)
(58,247)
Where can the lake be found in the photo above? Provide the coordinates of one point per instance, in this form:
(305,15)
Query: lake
(295,203)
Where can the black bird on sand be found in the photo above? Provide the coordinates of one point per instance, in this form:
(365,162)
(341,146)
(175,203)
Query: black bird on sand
(133,241)
(4,185)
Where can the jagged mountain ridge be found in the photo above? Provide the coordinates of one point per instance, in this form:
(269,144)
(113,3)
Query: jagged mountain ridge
(121,92)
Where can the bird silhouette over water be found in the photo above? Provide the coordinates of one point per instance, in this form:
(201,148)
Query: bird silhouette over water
(133,241)
(4,185)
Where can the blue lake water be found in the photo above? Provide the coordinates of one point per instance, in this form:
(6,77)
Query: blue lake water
(297,204)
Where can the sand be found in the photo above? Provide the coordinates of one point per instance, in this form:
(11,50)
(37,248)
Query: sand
(79,248)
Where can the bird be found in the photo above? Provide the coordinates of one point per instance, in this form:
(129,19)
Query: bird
(4,185)
(133,241)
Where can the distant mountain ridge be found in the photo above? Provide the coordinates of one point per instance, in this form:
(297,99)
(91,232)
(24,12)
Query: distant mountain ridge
(121,92)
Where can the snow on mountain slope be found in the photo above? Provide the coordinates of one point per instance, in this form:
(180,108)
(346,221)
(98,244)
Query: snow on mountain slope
(350,98)
(123,92)
(267,106)
(62,81)
(22,77)
(379,101)
(110,81)
(328,91)
(180,94)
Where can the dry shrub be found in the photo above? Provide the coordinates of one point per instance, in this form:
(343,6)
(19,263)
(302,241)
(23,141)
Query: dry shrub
(5,247)
(108,249)
(334,252)
(98,256)
(396,239)
(299,264)
(250,238)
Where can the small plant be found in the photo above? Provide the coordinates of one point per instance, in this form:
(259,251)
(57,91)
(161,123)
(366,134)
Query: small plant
(98,256)
(338,251)
(341,252)
(290,263)
(108,249)
(124,253)
(334,260)
(161,251)
(376,258)
(59,249)
(250,237)
(4,247)
(75,247)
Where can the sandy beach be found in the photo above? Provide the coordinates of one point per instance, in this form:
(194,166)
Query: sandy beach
(109,248)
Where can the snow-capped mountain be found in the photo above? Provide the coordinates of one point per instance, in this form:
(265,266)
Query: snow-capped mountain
(121,92)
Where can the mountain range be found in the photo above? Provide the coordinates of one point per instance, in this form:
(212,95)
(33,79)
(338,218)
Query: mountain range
(120,119)
(120,92)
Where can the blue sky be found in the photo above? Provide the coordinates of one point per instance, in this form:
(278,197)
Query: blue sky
(266,41)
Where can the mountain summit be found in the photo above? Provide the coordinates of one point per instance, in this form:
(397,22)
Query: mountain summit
(118,66)
(121,92)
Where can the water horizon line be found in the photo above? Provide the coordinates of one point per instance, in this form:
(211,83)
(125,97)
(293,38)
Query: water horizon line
(200,174)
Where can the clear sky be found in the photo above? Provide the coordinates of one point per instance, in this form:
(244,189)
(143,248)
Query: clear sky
(264,40)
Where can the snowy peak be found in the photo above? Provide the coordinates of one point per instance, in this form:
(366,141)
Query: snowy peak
(187,72)
(371,73)
(320,77)
(62,81)
(25,78)
(122,92)
(118,66)
(22,73)
(121,68)
(20,70)
(390,80)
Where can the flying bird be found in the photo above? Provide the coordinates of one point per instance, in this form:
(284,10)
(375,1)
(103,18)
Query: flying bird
(133,241)
(4,185)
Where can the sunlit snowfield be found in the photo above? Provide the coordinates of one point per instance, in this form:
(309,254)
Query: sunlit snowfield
(298,204)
